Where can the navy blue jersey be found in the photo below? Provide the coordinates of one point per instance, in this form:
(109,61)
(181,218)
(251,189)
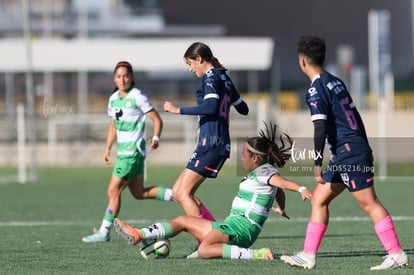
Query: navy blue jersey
(328,99)
(215,95)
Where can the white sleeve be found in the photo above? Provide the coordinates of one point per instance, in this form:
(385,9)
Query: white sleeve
(143,102)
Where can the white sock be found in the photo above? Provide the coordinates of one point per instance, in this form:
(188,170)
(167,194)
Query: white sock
(168,195)
(164,194)
(241,253)
(153,231)
(105,227)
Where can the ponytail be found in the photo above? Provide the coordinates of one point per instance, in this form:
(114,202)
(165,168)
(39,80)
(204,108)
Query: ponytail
(201,49)
(274,148)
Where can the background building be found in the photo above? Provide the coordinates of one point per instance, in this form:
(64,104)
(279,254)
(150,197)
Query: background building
(69,83)
(340,22)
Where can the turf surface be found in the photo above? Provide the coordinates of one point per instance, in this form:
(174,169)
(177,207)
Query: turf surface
(41,226)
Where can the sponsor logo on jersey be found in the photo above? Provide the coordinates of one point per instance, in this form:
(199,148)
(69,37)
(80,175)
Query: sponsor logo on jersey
(128,104)
(336,86)
(118,113)
(314,104)
(312,91)
(209,73)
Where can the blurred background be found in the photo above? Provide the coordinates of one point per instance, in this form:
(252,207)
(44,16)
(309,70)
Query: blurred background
(57,59)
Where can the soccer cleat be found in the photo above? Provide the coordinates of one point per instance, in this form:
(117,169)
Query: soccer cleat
(193,254)
(392,261)
(96,237)
(301,259)
(262,254)
(130,234)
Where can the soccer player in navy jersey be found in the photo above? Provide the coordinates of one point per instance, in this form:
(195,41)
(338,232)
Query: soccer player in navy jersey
(215,96)
(337,121)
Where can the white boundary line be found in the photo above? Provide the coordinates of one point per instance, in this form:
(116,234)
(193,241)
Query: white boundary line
(270,220)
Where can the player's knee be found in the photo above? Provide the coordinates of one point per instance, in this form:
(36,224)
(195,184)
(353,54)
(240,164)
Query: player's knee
(138,195)
(180,220)
(179,196)
(113,192)
(204,251)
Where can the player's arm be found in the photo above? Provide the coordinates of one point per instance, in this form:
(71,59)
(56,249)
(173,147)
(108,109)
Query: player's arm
(319,138)
(110,139)
(280,198)
(241,106)
(157,129)
(208,107)
(281,182)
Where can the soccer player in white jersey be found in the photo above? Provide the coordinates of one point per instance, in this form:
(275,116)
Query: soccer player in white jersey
(128,108)
(232,238)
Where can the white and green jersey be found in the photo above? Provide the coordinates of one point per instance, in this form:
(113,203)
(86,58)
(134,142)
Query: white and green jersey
(128,114)
(256,195)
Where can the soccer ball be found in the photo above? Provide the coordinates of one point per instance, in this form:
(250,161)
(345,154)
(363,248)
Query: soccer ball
(155,249)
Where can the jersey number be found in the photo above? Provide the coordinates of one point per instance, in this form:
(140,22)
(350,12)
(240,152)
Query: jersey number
(349,113)
(225,106)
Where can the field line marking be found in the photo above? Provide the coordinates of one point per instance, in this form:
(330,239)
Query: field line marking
(142,221)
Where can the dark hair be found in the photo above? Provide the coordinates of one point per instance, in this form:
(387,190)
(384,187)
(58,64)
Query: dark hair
(272,146)
(314,48)
(128,66)
(201,49)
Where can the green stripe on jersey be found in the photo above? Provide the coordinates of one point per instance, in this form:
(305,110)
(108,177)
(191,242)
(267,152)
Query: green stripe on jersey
(263,200)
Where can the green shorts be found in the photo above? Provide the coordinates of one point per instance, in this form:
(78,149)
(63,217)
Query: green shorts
(240,230)
(127,167)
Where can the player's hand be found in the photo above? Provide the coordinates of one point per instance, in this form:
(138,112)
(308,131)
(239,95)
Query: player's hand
(153,144)
(306,195)
(281,212)
(106,158)
(171,108)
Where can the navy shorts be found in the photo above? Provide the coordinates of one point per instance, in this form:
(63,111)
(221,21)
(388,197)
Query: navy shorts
(355,170)
(206,163)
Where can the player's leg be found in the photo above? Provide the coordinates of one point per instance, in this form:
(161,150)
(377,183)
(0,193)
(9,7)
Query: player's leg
(216,245)
(183,191)
(212,164)
(384,227)
(203,165)
(322,196)
(219,244)
(139,192)
(136,182)
(317,226)
(212,245)
(114,191)
(195,226)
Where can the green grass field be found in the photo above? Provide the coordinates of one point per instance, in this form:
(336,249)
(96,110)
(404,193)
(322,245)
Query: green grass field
(41,226)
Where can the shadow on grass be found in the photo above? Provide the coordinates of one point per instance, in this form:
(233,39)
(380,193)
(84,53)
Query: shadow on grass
(409,251)
(345,254)
(326,236)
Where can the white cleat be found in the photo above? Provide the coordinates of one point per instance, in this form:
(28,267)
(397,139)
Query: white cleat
(301,259)
(392,261)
